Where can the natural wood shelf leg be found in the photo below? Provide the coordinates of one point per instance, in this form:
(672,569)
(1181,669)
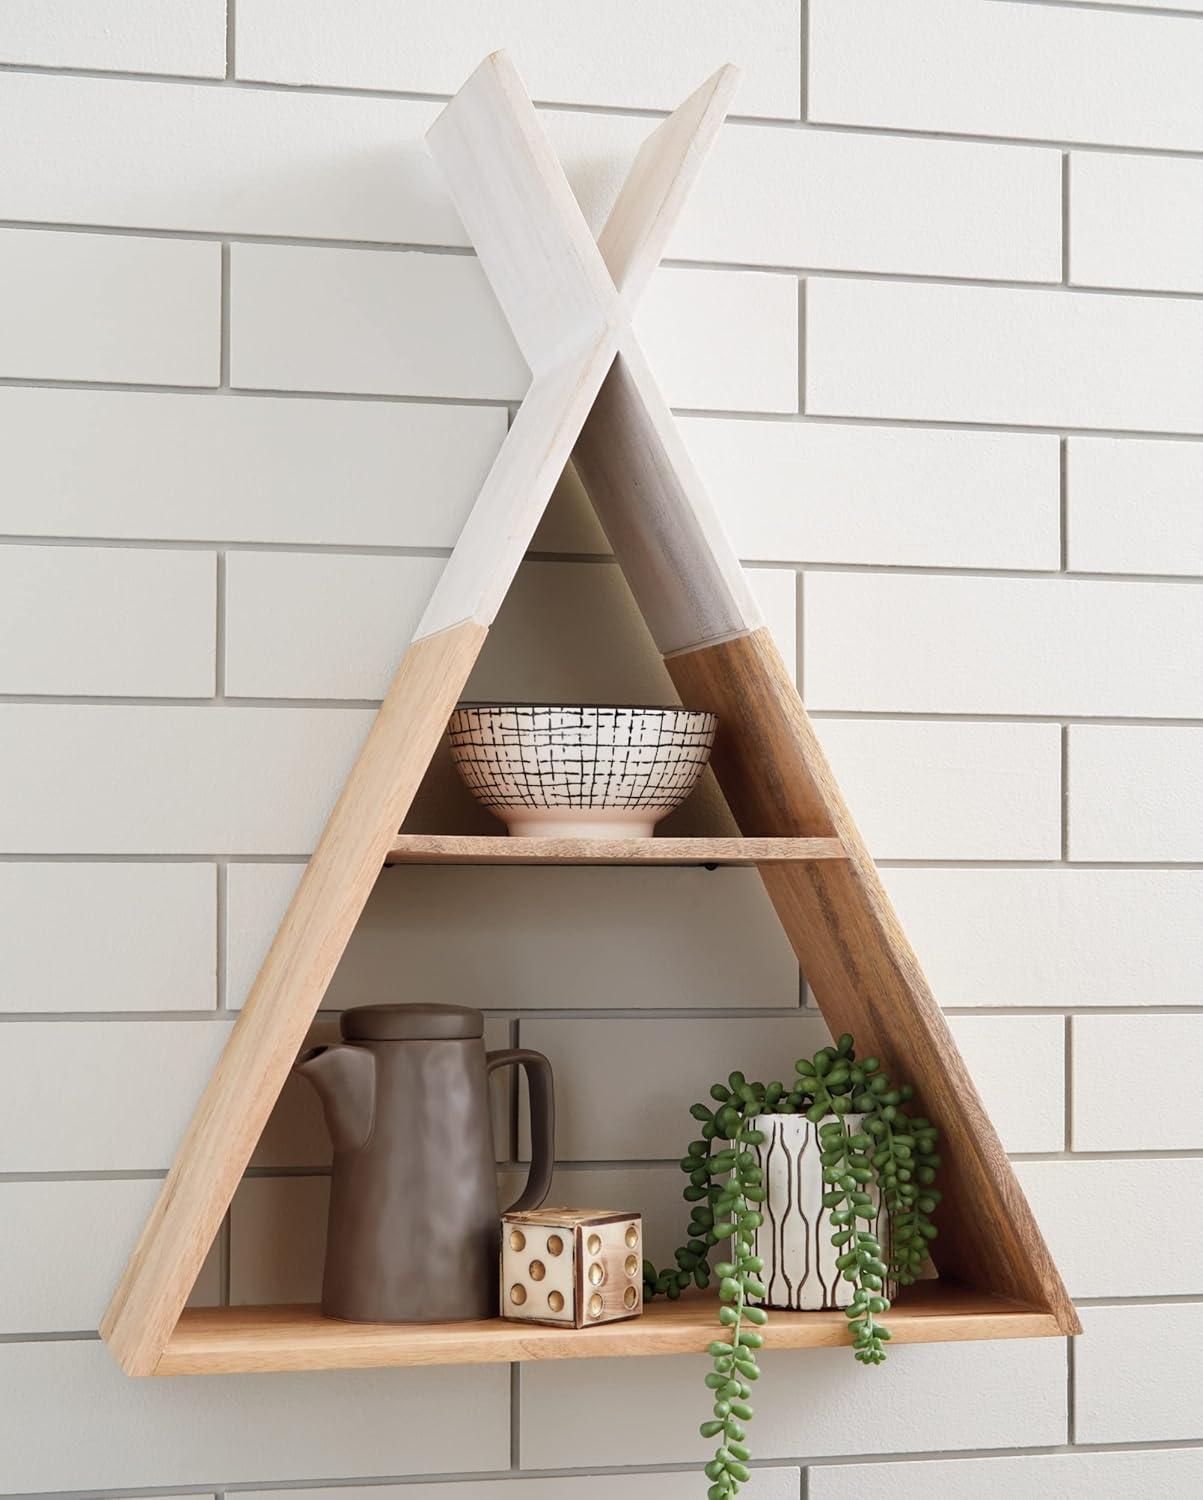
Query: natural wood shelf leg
(271,1029)
(857,959)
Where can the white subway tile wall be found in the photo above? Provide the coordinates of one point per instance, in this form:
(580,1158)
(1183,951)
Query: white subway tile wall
(108,937)
(923,497)
(127,36)
(1108,1049)
(1027,358)
(1153,1403)
(765,1484)
(1061,1476)
(123,1432)
(538,939)
(1138,792)
(63,1245)
(1054,936)
(1133,506)
(107,621)
(1138,221)
(947,789)
(109,308)
(981,67)
(249,469)
(173,156)
(970,1395)
(101,1096)
(905,643)
(619,56)
(932,318)
(1102,1253)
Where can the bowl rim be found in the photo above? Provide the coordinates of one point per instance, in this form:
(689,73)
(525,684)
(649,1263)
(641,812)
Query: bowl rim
(642,708)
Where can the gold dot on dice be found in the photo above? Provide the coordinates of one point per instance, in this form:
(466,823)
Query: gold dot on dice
(537,1270)
(554,1244)
(630,1297)
(517,1240)
(597,1273)
(555,1300)
(517,1294)
(631,1265)
(595,1306)
(593,1244)
(632,1236)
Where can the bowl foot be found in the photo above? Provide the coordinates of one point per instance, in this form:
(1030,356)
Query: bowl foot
(580,823)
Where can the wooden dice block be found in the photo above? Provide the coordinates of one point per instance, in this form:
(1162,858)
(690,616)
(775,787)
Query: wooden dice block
(572,1266)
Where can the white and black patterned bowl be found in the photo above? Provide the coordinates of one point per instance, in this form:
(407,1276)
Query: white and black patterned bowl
(580,772)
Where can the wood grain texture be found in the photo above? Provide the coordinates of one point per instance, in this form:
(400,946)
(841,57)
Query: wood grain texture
(224,1341)
(515,493)
(525,224)
(267,1036)
(858,962)
(571,311)
(451,849)
(649,204)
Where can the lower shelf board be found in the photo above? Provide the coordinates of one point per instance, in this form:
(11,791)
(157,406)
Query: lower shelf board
(233,1340)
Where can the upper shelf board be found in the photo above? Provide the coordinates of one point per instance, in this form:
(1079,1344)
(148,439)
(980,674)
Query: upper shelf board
(448,849)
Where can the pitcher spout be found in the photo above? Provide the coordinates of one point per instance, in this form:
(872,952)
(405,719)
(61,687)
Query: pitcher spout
(345,1080)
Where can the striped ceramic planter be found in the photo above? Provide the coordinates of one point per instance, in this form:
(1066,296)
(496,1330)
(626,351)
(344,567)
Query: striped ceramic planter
(794,1241)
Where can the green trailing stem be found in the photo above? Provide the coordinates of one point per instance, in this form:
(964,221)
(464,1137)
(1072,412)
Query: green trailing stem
(891,1150)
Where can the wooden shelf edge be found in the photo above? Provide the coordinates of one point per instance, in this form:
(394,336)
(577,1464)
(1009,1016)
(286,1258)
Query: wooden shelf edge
(239,1340)
(495,849)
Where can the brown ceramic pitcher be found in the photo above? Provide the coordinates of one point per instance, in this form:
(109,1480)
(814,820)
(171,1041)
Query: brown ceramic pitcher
(412,1235)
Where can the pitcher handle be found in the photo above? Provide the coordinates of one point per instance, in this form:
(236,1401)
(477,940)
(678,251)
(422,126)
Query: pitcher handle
(542,1121)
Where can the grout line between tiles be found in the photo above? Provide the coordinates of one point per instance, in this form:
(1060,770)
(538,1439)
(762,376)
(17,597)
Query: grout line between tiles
(219,627)
(800,633)
(783,1012)
(621,1164)
(223,314)
(1069,1086)
(512,1098)
(1109,5)
(224,1236)
(949,279)
(1071,1390)
(765,122)
(231,41)
(872,715)
(650,1013)
(933,423)
(221,933)
(539,557)
(515,1416)
(502,1477)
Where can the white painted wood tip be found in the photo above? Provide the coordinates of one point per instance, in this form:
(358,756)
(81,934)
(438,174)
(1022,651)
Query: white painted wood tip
(725,80)
(496,71)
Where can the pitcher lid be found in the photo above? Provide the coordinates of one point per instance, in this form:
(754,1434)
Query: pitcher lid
(411,1023)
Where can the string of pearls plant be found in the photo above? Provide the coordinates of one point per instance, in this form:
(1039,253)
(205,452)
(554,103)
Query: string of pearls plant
(891,1151)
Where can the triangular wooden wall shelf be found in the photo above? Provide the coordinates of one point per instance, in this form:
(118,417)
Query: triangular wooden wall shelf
(593,399)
